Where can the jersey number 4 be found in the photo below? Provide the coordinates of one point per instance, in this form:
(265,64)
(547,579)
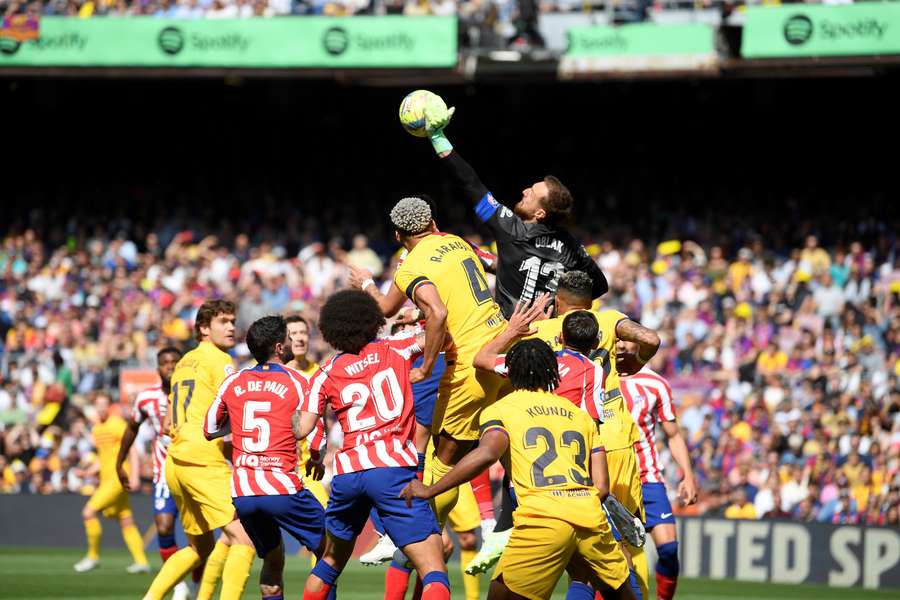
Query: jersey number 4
(570,439)
(477,282)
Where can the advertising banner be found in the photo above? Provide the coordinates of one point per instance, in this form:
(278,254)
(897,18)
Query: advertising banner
(283,42)
(640,47)
(801,30)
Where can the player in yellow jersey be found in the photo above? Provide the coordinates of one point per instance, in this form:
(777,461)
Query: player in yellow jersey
(445,278)
(618,430)
(197,472)
(557,463)
(298,331)
(464,519)
(110,498)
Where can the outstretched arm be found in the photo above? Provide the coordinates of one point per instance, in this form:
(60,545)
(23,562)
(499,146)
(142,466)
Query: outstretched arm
(389,303)
(519,326)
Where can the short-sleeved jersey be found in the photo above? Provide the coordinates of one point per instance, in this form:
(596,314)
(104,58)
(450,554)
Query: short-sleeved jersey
(649,399)
(150,406)
(195,383)
(531,256)
(107,438)
(259,403)
(580,380)
(317,438)
(618,429)
(550,448)
(449,263)
(372,398)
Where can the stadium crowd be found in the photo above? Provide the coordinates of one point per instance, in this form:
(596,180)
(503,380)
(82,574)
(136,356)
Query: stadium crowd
(784,366)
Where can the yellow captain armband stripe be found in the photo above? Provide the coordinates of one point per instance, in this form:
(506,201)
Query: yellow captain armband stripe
(414,285)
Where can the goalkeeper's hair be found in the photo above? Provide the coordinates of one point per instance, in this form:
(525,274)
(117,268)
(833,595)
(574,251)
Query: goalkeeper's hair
(411,216)
(580,329)
(532,366)
(576,285)
(558,203)
(349,320)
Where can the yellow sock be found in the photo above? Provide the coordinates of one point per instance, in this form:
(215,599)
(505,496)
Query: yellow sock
(470,582)
(445,502)
(212,571)
(135,544)
(641,570)
(173,570)
(237,570)
(93,530)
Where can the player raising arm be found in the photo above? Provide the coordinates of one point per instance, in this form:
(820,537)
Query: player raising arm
(367,385)
(558,468)
(649,399)
(533,248)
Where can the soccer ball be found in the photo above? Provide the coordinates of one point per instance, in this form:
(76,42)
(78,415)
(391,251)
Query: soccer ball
(412,111)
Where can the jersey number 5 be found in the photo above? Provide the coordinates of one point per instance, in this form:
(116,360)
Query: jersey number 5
(187,388)
(569,439)
(259,424)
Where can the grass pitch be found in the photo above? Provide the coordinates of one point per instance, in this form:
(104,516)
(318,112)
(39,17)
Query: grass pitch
(40,573)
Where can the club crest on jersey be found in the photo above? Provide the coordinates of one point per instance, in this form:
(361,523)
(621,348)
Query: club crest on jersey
(638,400)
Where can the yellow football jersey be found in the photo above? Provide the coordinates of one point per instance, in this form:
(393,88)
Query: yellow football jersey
(550,445)
(107,438)
(303,445)
(195,382)
(618,429)
(448,262)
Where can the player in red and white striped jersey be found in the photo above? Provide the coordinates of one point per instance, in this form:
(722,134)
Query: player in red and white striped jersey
(257,406)
(368,386)
(150,406)
(649,398)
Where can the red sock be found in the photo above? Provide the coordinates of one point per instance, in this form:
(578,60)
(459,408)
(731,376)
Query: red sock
(598,596)
(436,591)
(417,591)
(320,595)
(165,553)
(481,487)
(396,582)
(665,587)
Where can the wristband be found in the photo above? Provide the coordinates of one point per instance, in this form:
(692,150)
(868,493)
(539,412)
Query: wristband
(367,283)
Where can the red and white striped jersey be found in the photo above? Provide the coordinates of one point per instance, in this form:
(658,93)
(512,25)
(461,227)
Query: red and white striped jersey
(372,399)
(581,380)
(649,399)
(316,440)
(258,403)
(151,406)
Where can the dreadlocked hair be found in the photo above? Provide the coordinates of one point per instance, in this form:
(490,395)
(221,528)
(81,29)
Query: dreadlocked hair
(532,366)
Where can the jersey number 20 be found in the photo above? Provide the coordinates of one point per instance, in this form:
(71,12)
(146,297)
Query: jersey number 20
(385,390)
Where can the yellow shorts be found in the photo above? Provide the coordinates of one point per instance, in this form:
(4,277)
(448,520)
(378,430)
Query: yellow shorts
(465,515)
(540,548)
(625,479)
(318,490)
(202,494)
(111,499)
(462,393)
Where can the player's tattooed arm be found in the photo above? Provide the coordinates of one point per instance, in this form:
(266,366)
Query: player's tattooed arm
(430,303)
(492,445)
(646,339)
(303,422)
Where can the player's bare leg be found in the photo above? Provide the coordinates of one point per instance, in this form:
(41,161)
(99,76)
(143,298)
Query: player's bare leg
(447,452)
(323,578)
(499,591)
(271,576)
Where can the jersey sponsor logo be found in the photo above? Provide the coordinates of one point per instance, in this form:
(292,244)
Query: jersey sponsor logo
(257,461)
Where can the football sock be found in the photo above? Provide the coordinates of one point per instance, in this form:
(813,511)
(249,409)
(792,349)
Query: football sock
(641,569)
(507,506)
(278,597)
(443,503)
(173,571)
(135,543)
(436,586)
(167,546)
(212,572)
(420,467)
(635,586)
(417,589)
(481,487)
(325,573)
(93,530)
(667,568)
(396,581)
(236,571)
(579,591)
(470,582)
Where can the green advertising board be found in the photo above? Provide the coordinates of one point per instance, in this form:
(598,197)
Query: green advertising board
(281,42)
(804,31)
(641,46)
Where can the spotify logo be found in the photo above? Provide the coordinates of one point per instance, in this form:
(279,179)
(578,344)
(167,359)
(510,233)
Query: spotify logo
(335,40)
(797,30)
(171,40)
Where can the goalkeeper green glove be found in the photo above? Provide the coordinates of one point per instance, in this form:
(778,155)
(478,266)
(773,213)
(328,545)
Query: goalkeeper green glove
(437,117)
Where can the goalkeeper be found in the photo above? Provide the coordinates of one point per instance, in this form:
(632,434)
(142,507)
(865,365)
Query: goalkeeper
(533,247)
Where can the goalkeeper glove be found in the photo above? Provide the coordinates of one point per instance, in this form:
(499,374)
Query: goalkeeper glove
(629,526)
(437,117)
